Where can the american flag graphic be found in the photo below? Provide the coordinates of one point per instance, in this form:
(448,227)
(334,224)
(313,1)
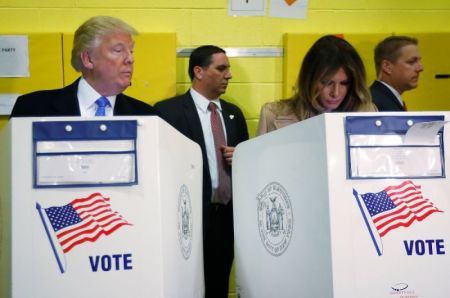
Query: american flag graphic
(84,219)
(397,206)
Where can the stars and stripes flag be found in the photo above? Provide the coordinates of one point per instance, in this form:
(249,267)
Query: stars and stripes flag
(82,220)
(395,206)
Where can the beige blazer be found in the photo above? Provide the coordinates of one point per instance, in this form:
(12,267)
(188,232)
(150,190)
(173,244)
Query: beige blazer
(272,118)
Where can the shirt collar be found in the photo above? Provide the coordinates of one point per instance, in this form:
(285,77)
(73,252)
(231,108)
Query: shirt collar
(202,102)
(87,95)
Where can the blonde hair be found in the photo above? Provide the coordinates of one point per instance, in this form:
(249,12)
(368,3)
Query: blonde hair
(89,34)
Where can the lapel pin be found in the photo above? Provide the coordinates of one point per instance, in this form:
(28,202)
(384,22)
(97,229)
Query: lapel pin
(231,117)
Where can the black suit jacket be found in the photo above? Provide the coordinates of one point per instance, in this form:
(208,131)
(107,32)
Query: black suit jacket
(181,113)
(64,102)
(384,99)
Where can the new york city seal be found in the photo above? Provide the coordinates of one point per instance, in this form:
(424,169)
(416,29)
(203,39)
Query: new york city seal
(275,218)
(185,222)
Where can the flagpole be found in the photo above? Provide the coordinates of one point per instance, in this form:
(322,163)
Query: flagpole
(39,208)
(366,220)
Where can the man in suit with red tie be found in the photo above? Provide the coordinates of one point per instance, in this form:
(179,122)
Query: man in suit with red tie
(217,126)
(397,63)
(103,52)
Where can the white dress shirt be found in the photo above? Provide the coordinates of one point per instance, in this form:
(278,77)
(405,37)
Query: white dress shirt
(201,103)
(87,97)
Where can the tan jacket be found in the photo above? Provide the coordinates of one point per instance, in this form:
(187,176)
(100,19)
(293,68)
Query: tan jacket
(278,114)
(272,117)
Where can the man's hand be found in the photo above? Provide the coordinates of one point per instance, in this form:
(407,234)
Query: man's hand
(227,154)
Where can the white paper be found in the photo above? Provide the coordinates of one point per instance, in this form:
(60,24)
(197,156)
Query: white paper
(84,146)
(14,59)
(376,140)
(85,169)
(7,101)
(396,162)
(289,9)
(246,7)
(423,133)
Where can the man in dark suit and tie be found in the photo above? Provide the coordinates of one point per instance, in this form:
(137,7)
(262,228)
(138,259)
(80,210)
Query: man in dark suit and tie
(199,114)
(103,52)
(397,63)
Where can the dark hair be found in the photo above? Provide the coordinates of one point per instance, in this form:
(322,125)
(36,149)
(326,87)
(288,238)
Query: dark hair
(202,56)
(389,49)
(327,55)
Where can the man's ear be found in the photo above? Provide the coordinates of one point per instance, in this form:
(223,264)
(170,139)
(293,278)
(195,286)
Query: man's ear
(198,72)
(386,66)
(86,60)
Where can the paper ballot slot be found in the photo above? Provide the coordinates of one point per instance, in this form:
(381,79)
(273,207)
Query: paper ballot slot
(84,153)
(395,147)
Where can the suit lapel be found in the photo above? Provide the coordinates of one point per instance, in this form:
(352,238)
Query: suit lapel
(229,120)
(193,121)
(120,108)
(391,96)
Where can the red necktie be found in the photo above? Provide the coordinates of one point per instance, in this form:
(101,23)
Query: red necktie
(224,189)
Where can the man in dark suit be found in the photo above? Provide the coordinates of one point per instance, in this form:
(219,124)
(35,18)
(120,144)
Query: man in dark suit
(103,53)
(190,114)
(397,63)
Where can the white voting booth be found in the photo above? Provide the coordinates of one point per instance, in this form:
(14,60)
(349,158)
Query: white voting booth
(345,205)
(99,208)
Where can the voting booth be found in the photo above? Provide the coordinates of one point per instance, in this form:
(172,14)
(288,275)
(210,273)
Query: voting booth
(345,205)
(99,208)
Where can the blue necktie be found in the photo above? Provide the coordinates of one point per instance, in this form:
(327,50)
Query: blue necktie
(102,102)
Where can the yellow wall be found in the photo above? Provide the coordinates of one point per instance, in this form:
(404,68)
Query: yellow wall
(48,47)
(196,22)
